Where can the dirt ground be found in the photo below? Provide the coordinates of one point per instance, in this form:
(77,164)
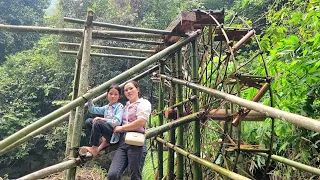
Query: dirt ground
(82,174)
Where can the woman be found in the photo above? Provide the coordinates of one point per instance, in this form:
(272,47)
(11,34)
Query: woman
(102,128)
(135,116)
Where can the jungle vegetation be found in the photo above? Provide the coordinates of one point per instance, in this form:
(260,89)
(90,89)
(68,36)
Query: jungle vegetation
(35,79)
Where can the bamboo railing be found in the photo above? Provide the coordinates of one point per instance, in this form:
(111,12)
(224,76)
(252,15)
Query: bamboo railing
(295,119)
(110,48)
(106,55)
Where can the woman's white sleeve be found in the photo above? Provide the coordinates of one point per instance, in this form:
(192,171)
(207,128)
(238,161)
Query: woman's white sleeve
(144,110)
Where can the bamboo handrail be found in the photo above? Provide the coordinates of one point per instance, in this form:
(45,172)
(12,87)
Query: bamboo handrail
(135,41)
(96,91)
(78,32)
(110,48)
(178,104)
(298,120)
(292,163)
(127,28)
(105,55)
(203,162)
(173,124)
(52,169)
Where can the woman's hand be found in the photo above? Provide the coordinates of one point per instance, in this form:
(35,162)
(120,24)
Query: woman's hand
(118,129)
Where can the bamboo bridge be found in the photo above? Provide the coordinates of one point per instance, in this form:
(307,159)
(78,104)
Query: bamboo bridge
(195,60)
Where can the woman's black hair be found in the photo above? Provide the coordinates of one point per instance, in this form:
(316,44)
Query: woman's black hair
(133,82)
(115,86)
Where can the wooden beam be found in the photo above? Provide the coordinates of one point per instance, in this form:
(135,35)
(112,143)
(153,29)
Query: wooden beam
(106,55)
(110,48)
(78,32)
(126,28)
(220,114)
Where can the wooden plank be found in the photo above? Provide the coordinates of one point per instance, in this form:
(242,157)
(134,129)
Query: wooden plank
(189,21)
(220,114)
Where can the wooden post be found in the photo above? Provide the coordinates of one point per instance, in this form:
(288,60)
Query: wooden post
(172,137)
(74,96)
(180,129)
(197,174)
(83,87)
(160,108)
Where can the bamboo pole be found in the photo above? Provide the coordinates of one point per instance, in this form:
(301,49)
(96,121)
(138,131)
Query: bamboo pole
(179,104)
(135,41)
(83,87)
(181,121)
(180,129)
(96,91)
(65,117)
(203,162)
(110,48)
(160,108)
(292,163)
(74,95)
(298,120)
(78,32)
(106,55)
(172,138)
(197,173)
(125,34)
(52,169)
(126,28)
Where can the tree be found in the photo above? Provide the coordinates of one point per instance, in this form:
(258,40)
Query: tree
(30,83)
(20,12)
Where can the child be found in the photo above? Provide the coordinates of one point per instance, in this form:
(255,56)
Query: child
(102,128)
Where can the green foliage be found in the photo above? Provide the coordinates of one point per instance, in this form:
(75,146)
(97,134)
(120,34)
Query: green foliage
(30,81)
(292,43)
(20,12)
(218,4)
(35,82)
(163,10)
(294,52)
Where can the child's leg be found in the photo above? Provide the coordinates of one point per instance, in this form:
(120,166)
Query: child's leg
(105,136)
(99,129)
(103,144)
